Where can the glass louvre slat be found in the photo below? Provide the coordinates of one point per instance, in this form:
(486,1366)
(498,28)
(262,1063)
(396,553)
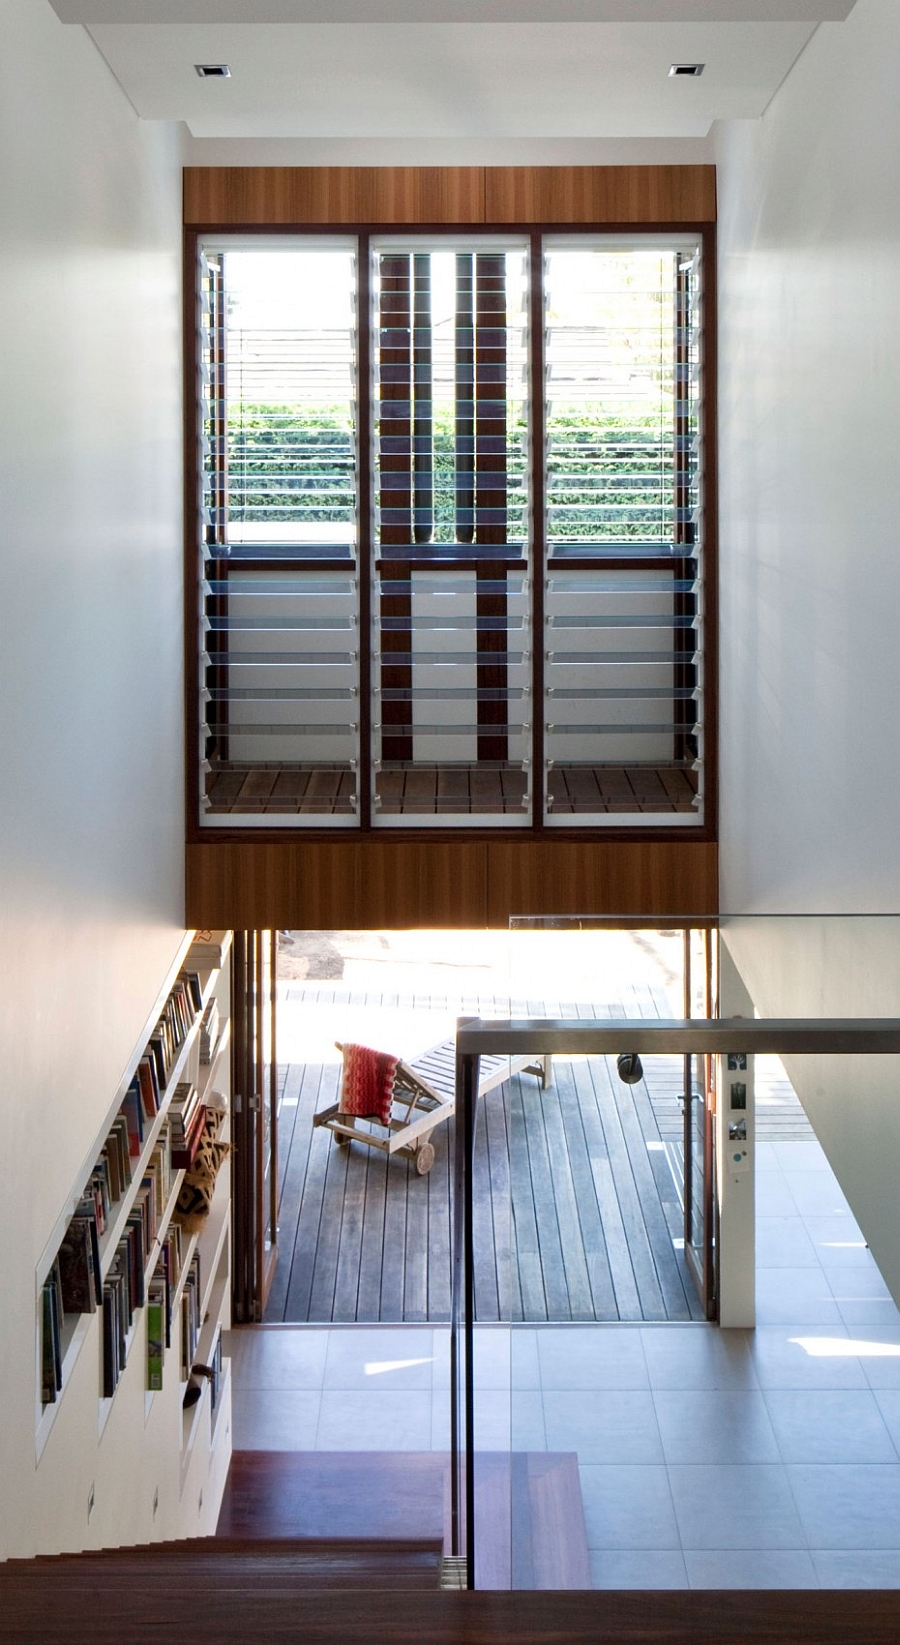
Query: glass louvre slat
(621,431)
(280,705)
(450,648)
(450,479)
(294,694)
(289,387)
(610,362)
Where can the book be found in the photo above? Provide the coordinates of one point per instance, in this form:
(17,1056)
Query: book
(195,989)
(184,1149)
(149,1087)
(185,1102)
(98,1188)
(216,1368)
(51,1360)
(76,1268)
(110,1341)
(209,1031)
(87,1211)
(133,1112)
(157,1049)
(118,1139)
(156,1333)
(209,948)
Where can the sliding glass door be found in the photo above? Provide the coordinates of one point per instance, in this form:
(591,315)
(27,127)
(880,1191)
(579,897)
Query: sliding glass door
(254,1157)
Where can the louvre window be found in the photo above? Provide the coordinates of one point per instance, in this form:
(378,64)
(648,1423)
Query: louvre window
(451,557)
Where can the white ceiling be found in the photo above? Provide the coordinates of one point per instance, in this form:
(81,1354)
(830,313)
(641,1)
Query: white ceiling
(488,70)
(452,11)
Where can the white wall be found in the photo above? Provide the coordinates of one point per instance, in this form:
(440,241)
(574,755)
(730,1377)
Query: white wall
(809,202)
(91,820)
(446,151)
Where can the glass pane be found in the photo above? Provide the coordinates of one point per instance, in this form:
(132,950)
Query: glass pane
(451,710)
(623,673)
(280,599)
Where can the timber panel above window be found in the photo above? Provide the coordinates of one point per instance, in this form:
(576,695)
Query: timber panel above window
(451,567)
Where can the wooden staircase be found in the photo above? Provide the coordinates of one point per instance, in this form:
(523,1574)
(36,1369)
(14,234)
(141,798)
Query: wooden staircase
(228,1564)
(239,1593)
(271,1575)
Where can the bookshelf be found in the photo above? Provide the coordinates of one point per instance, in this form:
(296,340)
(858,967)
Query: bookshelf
(122,1264)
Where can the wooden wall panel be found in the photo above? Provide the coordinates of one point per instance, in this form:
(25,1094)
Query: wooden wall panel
(373,884)
(587,877)
(600,194)
(245,196)
(283,196)
(341,884)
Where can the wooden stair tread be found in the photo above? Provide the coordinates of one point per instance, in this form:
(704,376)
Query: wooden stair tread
(199,1566)
(647,1618)
(276,1548)
(396,1494)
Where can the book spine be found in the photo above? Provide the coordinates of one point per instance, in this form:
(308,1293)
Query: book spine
(156,1329)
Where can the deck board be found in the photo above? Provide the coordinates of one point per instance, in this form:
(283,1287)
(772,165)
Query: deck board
(425,790)
(577,1211)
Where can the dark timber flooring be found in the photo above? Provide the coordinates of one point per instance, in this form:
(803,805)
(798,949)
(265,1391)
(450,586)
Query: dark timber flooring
(429,790)
(575,1217)
(578,1213)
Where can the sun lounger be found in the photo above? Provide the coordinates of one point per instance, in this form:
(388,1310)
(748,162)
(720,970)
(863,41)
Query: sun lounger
(424,1096)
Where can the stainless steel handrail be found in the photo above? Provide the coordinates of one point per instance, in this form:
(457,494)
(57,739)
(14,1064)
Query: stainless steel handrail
(772,1036)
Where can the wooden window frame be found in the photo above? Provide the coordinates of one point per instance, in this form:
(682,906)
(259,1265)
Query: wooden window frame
(535,202)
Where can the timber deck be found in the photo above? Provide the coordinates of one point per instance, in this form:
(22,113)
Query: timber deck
(577,1200)
(432,790)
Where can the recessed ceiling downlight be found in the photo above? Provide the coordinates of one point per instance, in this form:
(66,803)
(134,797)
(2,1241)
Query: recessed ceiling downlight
(213,71)
(692,70)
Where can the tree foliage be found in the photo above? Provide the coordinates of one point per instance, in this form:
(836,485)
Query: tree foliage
(608,477)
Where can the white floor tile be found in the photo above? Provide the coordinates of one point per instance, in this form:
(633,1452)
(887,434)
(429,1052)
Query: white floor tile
(839,1243)
(750,1568)
(829,1425)
(801,1157)
(698,1356)
(735,1507)
(816,1194)
(622,1568)
(276,1420)
(888,1400)
(773,1196)
(603,1426)
(878,1348)
(715,1426)
(858,1567)
(396,1358)
(504,1357)
(264,1356)
(606,1356)
(860,1313)
(806,1357)
(851,1505)
(628,1507)
(362,1420)
(862,1283)
(783,1242)
(794,1296)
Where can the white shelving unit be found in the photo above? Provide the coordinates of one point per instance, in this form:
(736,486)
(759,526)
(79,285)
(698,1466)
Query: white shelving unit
(172,1481)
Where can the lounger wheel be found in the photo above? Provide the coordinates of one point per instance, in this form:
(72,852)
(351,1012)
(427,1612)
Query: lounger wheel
(341,1138)
(424,1158)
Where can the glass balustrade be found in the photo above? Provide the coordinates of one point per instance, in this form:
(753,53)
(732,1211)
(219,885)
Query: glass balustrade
(672,1109)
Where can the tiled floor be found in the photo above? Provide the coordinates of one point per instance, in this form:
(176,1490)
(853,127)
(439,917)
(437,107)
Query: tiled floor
(766,1458)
